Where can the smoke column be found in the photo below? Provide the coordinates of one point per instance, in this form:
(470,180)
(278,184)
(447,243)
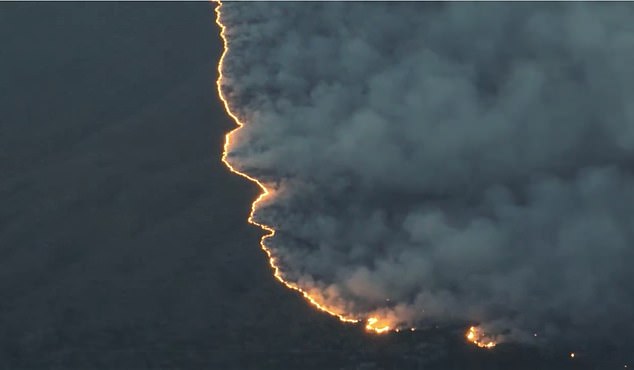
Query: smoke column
(426,163)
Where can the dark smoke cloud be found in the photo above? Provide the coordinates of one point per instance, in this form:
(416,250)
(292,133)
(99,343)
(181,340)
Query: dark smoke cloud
(446,162)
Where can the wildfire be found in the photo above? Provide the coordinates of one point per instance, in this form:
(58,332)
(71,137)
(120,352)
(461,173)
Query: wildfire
(373,324)
(270,232)
(477,337)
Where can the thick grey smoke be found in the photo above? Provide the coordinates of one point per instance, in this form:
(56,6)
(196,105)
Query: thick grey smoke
(455,162)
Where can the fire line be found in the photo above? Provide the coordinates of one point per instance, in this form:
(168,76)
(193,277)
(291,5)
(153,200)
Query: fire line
(373,324)
(270,232)
(475,336)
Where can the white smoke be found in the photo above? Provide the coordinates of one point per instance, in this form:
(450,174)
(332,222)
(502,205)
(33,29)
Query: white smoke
(455,162)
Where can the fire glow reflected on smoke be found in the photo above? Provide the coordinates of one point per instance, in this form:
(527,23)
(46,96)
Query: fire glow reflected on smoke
(376,322)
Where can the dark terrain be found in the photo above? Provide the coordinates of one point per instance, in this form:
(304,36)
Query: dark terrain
(123,239)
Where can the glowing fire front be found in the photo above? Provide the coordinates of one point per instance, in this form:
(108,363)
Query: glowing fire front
(477,337)
(374,323)
(270,232)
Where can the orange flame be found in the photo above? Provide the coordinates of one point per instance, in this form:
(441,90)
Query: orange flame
(373,324)
(270,232)
(477,337)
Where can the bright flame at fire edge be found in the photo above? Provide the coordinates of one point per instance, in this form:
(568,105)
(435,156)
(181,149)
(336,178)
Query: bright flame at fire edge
(475,336)
(270,232)
(372,324)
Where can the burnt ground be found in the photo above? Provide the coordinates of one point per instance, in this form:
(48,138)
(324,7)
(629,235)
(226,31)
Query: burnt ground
(123,241)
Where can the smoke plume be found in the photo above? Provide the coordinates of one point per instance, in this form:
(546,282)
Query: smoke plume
(442,163)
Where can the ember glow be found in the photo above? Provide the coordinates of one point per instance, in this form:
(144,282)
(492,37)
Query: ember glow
(477,337)
(376,325)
